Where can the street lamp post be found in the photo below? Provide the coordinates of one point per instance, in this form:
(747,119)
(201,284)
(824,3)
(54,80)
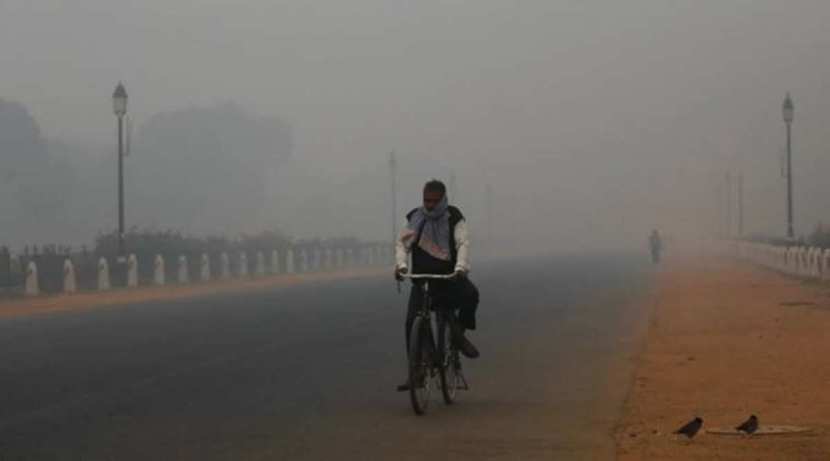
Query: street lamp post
(119,106)
(788,110)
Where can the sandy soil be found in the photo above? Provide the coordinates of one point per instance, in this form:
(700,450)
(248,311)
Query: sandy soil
(89,300)
(726,340)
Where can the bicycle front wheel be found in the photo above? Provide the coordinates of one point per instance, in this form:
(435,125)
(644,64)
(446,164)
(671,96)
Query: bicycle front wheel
(449,361)
(420,365)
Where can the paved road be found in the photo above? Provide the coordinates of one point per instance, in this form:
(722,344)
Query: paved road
(308,372)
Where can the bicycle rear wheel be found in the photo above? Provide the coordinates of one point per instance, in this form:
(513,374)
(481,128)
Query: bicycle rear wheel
(449,371)
(420,365)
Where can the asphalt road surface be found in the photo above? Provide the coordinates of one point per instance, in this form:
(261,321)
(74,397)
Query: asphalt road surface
(309,372)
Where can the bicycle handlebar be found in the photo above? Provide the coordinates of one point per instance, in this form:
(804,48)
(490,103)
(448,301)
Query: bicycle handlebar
(430,276)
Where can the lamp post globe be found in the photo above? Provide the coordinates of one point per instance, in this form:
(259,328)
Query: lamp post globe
(119,100)
(787,109)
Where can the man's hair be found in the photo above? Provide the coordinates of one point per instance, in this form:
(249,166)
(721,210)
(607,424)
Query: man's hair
(434,185)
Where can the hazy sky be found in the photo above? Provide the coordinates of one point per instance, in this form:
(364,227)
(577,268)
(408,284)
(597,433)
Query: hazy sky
(584,115)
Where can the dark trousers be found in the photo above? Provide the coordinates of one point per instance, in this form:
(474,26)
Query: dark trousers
(460,294)
(655,255)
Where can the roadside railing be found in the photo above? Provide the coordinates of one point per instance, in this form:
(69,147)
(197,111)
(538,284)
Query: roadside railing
(798,261)
(75,275)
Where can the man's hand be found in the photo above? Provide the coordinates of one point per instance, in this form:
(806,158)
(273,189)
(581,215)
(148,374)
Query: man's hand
(459,274)
(400,272)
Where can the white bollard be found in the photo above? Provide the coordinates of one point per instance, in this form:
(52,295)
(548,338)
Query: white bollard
(158,270)
(132,271)
(32,287)
(225,261)
(289,261)
(339,258)
(804,269)
(260,264)
(328,260)
(349,257)
(204,268)
(812,264)
(304,261)
(243,264)
(318,259)
(791,261)
(275,262)
(796,261)
(825,264)
(184,273)
(103,275)
(70,284)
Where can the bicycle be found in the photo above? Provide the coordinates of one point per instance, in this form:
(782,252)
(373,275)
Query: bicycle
(429,358)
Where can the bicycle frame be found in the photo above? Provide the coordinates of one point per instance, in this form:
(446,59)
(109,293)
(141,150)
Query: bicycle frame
(425,309)
(429,335)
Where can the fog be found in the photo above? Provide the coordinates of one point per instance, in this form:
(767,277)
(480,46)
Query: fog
(591,122)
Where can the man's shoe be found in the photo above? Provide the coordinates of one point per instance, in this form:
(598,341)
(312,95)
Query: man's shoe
(467,348)
(403,387)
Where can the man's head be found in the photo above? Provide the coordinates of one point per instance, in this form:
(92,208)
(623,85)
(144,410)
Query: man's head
(434,192)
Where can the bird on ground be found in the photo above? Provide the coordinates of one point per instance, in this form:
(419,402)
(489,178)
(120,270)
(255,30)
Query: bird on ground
(691,428)
(749,426)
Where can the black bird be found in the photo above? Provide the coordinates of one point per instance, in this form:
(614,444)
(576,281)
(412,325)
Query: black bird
(691,428)
(749,426)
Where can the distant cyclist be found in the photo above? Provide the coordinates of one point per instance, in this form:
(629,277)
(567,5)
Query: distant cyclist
(656,245)
(436,237)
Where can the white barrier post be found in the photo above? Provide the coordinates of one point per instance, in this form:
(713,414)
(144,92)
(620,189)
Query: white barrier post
(69,280)
(825,264)
(275,262)
(205,268)
(303,260)
(318,258)
(32,287)
(225,262)
(132,271)
(289,261)
(813,262)
(328,261)
(339,259)
(349,257)
(817,266)
(260,264)
(791,263)
(243,264)
(158,270)
(184,273)
(103,275)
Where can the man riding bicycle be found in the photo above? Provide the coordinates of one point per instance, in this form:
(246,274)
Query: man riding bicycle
(436,237)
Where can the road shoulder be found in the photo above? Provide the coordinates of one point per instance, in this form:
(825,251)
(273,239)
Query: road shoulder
(727,340)
(90,300)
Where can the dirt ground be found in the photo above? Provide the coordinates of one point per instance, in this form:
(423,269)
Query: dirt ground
(90,300)
(727,340)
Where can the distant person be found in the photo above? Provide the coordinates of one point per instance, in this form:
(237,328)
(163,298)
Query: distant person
(436,237)
(656,245)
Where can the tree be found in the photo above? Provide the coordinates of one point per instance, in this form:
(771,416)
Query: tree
(205,169)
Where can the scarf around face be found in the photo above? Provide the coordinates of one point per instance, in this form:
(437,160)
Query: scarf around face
(434,229)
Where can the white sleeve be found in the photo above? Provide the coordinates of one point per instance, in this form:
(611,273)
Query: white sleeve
(401,252)
(462,246)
